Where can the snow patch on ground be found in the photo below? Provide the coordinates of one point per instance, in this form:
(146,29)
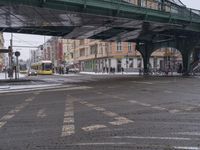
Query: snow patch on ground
(23,88)
(4,76)
(118,73)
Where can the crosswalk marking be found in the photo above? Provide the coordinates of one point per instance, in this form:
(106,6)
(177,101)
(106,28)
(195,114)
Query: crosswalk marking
(93,127)
(186,148)
(13,112)
(2,123)
(68,121)
(118,120)
(110,114)
(99,109)
(172,111)
(41,113)
(68,130)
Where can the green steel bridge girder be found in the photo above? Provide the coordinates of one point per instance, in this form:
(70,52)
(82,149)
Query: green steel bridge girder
(115,8)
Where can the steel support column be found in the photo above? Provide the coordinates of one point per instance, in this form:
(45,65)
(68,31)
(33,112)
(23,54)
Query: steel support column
(196,55)
(186,46)
(145,49)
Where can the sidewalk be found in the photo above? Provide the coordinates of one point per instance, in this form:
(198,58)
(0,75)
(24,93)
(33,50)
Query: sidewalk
(117,73)
(67,75)
(5,77)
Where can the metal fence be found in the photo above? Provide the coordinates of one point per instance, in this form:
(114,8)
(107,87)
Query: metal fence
(174,7)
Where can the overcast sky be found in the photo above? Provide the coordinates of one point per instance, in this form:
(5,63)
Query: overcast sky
(35,40)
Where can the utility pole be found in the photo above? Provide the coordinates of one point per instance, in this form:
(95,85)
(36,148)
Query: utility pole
(10,69)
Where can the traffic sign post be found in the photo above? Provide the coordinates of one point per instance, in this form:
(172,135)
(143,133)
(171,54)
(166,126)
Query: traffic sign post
(17,54)
(10,69)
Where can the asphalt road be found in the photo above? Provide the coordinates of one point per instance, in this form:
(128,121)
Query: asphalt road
(104,113)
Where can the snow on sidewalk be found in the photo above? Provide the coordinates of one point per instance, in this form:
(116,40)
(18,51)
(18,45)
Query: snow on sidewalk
(118,73)
(5,77)
(24,88)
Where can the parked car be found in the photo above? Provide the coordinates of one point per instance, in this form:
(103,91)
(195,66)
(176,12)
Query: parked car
(74,70)
(32,72)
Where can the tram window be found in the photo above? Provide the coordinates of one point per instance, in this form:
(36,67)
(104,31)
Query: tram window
(43,67)
(48,66)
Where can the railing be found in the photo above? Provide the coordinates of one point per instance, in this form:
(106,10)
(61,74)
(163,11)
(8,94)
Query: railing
(195,67)
(174,7)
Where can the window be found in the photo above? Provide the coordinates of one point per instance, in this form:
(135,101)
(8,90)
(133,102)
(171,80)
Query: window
(119,46)
(143,3)
(93,49)
(82,52)
(81,42)
(130,62)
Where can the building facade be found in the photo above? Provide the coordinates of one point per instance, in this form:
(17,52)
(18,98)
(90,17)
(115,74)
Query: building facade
(97,56)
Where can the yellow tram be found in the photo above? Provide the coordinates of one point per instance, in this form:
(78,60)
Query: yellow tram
(43,67)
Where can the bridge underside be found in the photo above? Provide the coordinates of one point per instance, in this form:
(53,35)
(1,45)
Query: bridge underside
(150,31)
(74,25)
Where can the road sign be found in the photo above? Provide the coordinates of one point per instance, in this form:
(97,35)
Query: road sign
(17,53)
(4,50)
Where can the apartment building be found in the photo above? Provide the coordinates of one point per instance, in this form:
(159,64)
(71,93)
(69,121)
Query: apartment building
(98,56)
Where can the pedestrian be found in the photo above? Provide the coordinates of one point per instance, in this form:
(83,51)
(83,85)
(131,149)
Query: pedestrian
(111,69)
(67,70)
(122,69)
(103,69)
(180,68)
(60,70)
(106,69)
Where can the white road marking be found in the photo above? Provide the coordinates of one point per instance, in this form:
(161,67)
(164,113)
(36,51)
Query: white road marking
(69,114)
(101,144)
(140,103)
(68,121)
(41,113)
(174,111)
(2,123)
(110,114)
(28,99)
(7,117)
(120,121)
(159,108)
(69,89)
(168,92)
(13,112)
(189,133)
(145,104)
(187,148)
(152,138)
(68,130)
(140,82)
(155,107)
(189,108)
(83,102)
(90,105)
(49,88)
(93,127)
(99,109)
(133,101)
